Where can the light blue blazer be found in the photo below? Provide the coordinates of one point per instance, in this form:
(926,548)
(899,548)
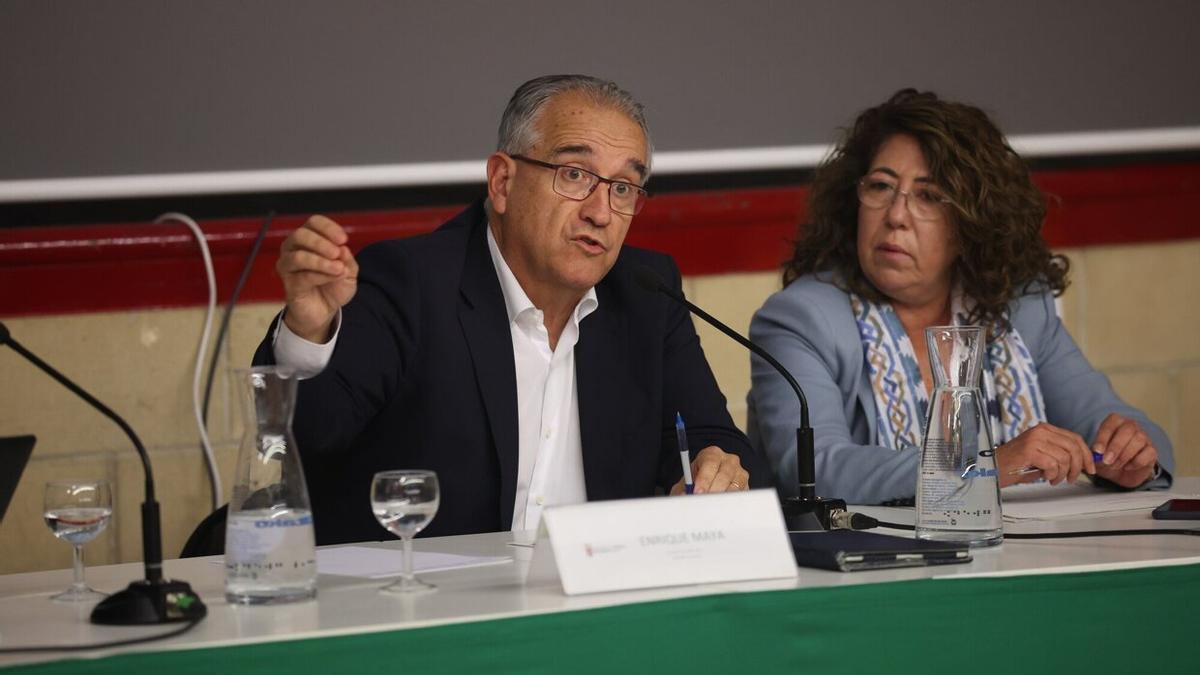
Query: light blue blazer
(809,327)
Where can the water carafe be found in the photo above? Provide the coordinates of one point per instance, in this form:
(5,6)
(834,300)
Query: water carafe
(270,553)
(958,489)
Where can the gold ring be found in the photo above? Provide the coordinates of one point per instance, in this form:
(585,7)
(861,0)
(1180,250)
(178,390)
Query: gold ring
(734,485)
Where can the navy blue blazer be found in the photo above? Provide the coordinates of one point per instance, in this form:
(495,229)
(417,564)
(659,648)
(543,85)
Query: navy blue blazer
(422,377)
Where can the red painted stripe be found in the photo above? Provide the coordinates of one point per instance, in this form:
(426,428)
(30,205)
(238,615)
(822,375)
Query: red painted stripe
(52,270)
(1125,205)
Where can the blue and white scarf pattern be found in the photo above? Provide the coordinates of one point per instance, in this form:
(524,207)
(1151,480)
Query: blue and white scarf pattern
(1010,384)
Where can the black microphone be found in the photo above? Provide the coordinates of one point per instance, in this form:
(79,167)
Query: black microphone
(153,599)
(808,511)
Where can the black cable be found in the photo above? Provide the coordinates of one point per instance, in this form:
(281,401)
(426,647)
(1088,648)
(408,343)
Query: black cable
(102,645)
(1098,533)
(224,329)
(228,313)
(1056,535)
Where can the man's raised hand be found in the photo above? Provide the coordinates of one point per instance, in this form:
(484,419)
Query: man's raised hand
(319,276)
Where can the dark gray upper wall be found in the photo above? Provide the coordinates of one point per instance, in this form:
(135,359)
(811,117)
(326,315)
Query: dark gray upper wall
(115,88)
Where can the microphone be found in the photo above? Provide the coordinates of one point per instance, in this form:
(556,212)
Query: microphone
(153,599)
(808,511)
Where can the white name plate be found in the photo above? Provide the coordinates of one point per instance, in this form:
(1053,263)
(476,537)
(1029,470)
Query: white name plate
(669,541)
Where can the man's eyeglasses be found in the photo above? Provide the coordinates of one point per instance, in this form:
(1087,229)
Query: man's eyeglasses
(924,202)
(575,183)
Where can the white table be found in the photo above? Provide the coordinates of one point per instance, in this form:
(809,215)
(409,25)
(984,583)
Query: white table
(351,605)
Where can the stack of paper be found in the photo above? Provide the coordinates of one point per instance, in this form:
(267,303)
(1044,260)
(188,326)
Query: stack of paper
(1042,501)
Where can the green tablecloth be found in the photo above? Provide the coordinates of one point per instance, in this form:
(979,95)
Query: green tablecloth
(1129,621)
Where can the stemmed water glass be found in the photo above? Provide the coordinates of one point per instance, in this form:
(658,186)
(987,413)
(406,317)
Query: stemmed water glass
(76,512)
(404,502)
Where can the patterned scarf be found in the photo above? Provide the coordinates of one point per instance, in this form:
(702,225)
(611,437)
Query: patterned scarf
(1010,385)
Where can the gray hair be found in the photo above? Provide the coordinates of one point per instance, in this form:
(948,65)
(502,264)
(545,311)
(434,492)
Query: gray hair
(517,126)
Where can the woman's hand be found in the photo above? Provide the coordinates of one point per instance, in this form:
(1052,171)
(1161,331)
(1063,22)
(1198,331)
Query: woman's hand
(1129,454)
(1056,454)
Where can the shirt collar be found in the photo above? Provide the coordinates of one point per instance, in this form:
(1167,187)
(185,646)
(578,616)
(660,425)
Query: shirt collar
(515,299)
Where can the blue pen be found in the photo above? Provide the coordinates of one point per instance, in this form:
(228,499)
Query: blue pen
(684,458)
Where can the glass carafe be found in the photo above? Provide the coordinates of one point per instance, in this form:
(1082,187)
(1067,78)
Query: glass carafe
(958,489)
(270,553)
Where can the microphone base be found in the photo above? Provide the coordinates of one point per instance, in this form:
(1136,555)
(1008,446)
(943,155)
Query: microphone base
(149,602)
(811,514)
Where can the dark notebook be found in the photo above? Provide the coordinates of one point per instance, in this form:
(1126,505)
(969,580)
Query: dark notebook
(852,550)
(14,452)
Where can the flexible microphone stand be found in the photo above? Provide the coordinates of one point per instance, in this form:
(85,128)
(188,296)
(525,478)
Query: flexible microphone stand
(153,599)
(807,511)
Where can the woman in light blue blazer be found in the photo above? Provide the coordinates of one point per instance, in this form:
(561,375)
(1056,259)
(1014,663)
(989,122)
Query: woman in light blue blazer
(924,216)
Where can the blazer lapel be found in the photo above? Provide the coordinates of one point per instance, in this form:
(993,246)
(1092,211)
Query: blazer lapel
(484,321)
(599,366)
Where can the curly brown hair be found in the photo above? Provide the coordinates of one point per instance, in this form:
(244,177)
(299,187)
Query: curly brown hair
(996,210)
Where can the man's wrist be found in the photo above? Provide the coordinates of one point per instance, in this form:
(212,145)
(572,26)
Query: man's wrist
(306,357)
(318,335)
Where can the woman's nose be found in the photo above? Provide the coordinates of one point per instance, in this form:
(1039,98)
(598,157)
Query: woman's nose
(898,214)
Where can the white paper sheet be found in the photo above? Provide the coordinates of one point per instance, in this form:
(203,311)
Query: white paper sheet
(377,563)
(1042,501)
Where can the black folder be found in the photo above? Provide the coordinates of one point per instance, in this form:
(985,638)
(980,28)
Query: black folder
(853,550)
(14,452)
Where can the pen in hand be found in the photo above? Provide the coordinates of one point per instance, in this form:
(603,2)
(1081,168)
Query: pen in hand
(684,457)
(1026,470)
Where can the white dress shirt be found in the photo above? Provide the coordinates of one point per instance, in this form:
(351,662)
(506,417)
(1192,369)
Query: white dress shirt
(550,463)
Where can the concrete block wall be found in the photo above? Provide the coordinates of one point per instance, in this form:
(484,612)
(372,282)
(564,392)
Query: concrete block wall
(140,364)
(1133,309)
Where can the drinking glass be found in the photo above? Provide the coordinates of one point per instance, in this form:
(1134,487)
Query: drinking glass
(404,502)
(77,511)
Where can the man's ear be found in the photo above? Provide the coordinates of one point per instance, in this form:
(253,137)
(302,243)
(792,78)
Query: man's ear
(500,171)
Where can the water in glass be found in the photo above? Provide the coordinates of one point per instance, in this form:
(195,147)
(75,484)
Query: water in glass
(76,511)
(79,525)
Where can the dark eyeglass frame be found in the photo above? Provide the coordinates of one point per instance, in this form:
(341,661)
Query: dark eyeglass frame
(942,201)
(642,193)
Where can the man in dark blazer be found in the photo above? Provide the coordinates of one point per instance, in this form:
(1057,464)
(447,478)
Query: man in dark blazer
(510,351)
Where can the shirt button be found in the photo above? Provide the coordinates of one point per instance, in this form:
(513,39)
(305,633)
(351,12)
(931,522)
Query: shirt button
(548,433)
(541,501)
